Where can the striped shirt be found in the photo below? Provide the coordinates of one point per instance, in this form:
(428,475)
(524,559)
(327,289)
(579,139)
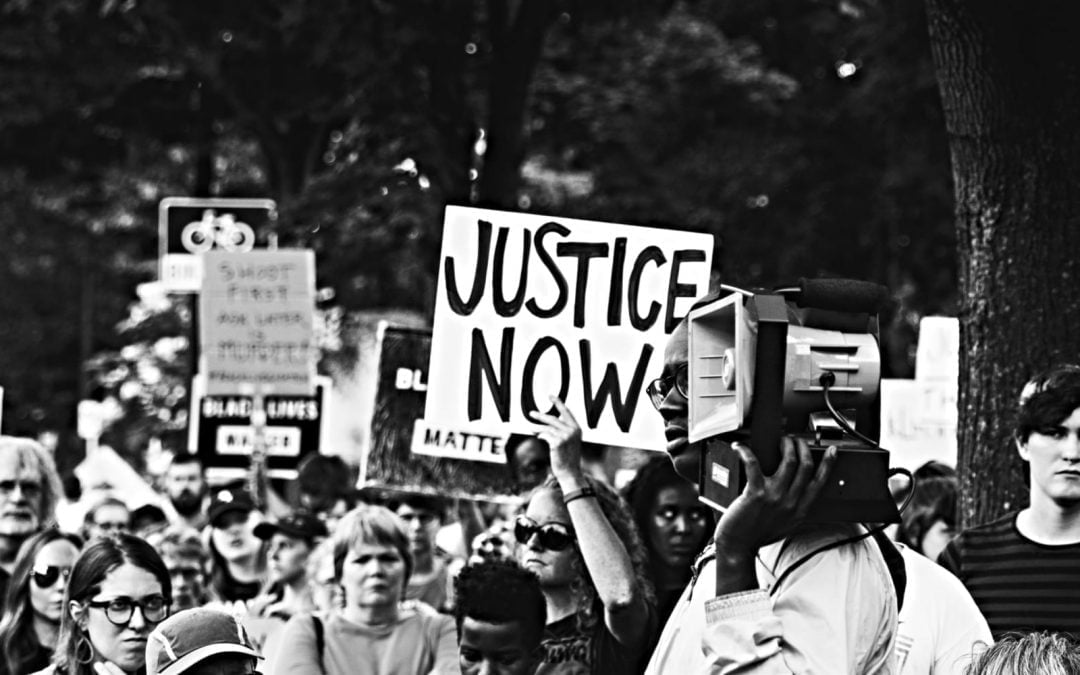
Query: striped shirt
(1019,585)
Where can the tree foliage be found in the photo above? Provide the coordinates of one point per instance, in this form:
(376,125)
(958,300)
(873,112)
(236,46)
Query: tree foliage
(364,119)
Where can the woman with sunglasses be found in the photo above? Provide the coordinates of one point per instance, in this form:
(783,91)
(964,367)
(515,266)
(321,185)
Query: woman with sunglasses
(35,600)
(579,538)
(118,591)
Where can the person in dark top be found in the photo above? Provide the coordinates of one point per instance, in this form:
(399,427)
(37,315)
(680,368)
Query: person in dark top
(929,521)
(674,525)
(237,556)
(35,600)
(500,615)
(579,537)
(29,491)
(1023,570)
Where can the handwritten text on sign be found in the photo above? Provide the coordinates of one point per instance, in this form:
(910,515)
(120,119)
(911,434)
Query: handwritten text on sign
(256,314)
(529,306)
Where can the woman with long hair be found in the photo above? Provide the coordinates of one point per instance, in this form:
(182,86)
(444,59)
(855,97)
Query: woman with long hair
(118,591)
(237,556)
(35,600)
(674,525)
(375,633)
(577,535)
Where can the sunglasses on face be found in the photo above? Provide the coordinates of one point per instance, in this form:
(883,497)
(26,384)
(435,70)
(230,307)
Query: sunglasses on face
(46,576)
(553,536)
(659,388)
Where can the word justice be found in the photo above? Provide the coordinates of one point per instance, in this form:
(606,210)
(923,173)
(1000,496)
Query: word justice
(623,289)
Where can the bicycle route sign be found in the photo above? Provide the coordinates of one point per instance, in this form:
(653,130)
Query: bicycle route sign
(189,227)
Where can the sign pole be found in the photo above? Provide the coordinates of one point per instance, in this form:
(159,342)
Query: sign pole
(258,477)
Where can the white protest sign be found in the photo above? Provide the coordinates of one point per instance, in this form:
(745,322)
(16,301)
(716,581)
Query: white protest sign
(937,356)
(256,319)
(434,442)
(530,306)
(918,422)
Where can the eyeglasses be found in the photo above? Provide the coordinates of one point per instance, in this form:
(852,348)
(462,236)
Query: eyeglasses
(112,526)
(658,389)
(120,610)
(46,576)
(28,488)
(553,536)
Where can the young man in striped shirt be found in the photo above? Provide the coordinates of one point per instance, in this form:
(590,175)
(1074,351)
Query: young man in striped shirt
(1023,570)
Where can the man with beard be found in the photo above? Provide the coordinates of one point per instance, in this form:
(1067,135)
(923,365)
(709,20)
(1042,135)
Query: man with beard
(185,485)
(772,594)
(29,490)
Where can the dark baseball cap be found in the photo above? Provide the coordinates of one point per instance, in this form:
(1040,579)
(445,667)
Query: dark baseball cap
(227,499)
(301,525)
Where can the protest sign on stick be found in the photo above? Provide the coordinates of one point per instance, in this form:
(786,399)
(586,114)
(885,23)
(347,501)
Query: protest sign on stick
(530,306)
(407,455)
(256,320)
(222,433)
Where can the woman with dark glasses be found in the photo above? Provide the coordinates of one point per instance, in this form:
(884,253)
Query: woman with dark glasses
(35,600)
(118,591)
(579,538)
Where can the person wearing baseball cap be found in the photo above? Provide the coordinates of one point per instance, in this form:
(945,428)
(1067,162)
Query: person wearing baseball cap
(236,554)
(290,541)
(200,641)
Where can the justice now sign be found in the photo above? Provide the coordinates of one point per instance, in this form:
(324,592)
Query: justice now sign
(530,306)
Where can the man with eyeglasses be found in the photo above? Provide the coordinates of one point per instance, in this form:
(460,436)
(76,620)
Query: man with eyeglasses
(201,642)
(108,516)
(186,558)
(771,595)
(29,490)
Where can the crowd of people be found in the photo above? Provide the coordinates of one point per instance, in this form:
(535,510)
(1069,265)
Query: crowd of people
(578,578)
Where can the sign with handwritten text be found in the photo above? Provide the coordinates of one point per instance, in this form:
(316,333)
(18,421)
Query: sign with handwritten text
(531,306)
(256,318)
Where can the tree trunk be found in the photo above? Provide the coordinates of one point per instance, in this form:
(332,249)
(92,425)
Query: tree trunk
(1010,83)
(517,36)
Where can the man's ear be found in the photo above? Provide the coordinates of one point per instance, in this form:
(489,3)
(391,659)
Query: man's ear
(1021,447)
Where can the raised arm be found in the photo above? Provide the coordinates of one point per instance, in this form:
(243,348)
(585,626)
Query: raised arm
(626,612)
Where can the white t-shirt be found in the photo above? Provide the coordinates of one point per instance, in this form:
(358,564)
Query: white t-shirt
(939,622)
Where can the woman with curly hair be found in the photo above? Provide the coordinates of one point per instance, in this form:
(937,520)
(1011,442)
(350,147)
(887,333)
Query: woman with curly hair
(674,525)
(35,600)
(578,537)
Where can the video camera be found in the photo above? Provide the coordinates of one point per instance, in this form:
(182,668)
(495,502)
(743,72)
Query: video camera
(801,361)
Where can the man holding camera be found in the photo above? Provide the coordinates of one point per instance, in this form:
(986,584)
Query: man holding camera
(773,594)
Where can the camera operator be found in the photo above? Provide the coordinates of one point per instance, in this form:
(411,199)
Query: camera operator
(773,594)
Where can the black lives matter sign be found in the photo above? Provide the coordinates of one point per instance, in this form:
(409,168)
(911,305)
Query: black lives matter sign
(222,435)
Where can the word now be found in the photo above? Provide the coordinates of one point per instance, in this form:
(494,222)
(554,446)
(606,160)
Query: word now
(500,384)
(619,285)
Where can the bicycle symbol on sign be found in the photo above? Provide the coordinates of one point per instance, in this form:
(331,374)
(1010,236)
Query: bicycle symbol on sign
(224,231)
